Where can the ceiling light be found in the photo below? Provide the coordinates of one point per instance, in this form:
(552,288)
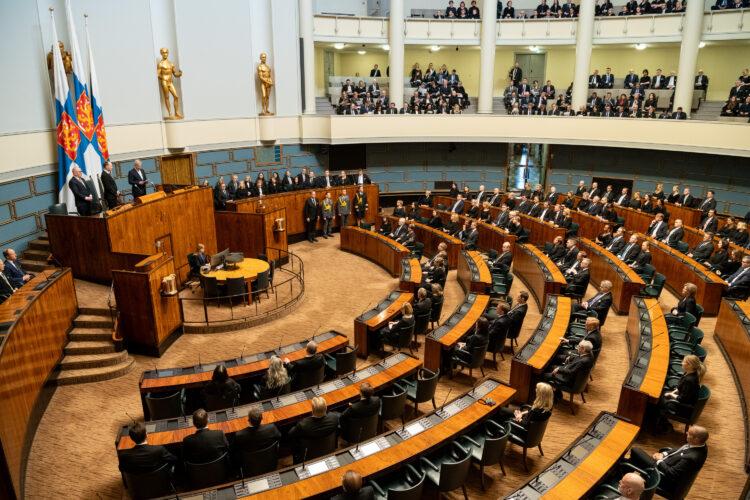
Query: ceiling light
(435,48)
(701,45)
(640,46)
(361,52)
(534,48)
(386,47)
(338,46)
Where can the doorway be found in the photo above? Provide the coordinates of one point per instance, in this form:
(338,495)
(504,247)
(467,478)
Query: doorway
(328,70)
(533,66)
(526,163)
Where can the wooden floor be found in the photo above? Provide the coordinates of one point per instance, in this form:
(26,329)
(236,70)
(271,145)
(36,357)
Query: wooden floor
(73,454)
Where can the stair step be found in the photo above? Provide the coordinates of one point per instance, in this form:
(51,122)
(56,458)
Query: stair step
(90,334)
(86,375)
(39,244)
(78,361)
(35,265)
(32,254)
(94,311)
(76,347)
(92,321)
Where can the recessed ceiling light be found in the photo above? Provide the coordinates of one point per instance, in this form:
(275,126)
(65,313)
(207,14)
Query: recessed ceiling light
(640,46)
(386,47)
(435,48)
(361,52)
(338,46)
(701,45)
(534,48)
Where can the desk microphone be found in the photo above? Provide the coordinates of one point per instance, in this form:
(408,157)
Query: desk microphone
(156,369)
(199,361)
(304,457)
(446,398)
(316,332)
(131,418)
(242,475)
(278,393)
(281,340)
(359,437)
(242,354)
(366,309)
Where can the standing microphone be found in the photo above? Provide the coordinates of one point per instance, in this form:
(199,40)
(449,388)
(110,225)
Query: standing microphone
(359,437)
(446,398)
(242,475)
(304,457)
(316,332)
(156,368)
(366,309)
(278,393)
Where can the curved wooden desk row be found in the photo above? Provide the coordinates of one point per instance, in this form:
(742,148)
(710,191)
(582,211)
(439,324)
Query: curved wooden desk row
(34,326)
(695,236)
(648,346)
(732,333)
(541,231)
(490,237)
(462,321)
(539,273)
(680,269)
(284,410)
(432,237)
(377,317)
(374,246)
(321,478)
(588,226)
(607,266)
(577,470)
(411,275)
(294,203)
(534,357)
(473,273)
(635,220)
(245,366)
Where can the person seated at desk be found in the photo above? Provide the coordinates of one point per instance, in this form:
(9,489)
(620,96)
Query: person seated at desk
(424,303)
(401,230)
(503,261)
(658,228)
(605,237)
(441,249)
(458,206)
(557,250)
(675,235)
(275,377)
(469,235)
(437,274)
(703,250)
(570,256)
(399,210)
(389,334)
(678,465)
(385,227)
(485,215)
(413,213)
(642,258)
(473,211)
(137,180)
(515,228)
(617,243)
(409,238)
(686,392)
(719,257)
(540,410)
(739,281)
(319,425)
(631,486)
(198,259)
(311,362)
(351,483)
(452,226)
(594,208)
(583,203)
(593,334)
(242,192)
(221,197)
(479,338)
(143,457)
(578,275)
(367,406)
(599,303)
(13,270)
(222,386)
(608,211)
(685,305)
(256,436)
(500,326)
(6,289)
(425,200)
(206,445)
(565,374)
(435,222)
(517,314)
(503,217)
(740,236)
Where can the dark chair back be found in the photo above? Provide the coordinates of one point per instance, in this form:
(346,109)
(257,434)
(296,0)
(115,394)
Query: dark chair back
(405,334)
(579,383)
(208,474)
(355,430)
(495,441)
(260,461)
(393,405)
(261,282)
(426,385)
(151,484)
(264,392)
(304,379)
(477,356)
(316,447)
(492,255)
(440,206)
(346,360)
(162,406)
(366,225)
(437,309)
(58,209)
(453,474)
(535,433)
(573,229)
(413,490)
(418,249)
(421,321)
(213,402)
(263,256)
(210,287)
(235,286)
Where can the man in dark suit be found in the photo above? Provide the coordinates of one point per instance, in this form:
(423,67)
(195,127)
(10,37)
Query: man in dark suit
(503,217)
(701,81)
(311,216)
(740,280)
(631,250)
(233,186)
(374,72)
(516,74)
(360,178)
(686,199)
(570,255)
(517,314)
(481,195)
(425,200)
(623,200)
(608,79)
(367,406)
(578,277)
(470,236)
(137,180)
(374,89)
(500,327)
(658,228)
(458,206)
(536,208)
(6,289)
(343,180)
(326,181)
(679,114)
(255,436)
(549,90)
(594,102)
(676,466)
(595,208)
(504,260)
(568,346)
(143,457)
(423,304)
(348,88)
(709,224)
(631,80)
(618,241)
(599,303)
(111,193)
(594,190)
(581,188)
(351,483)
(312,360)
(552,196)
(221,197)
(302,177)
(675,235)
(564,375)
(206,445)
(318,426)
(595,80)
(703,250)
(13,270)
(708,203)
(81,192)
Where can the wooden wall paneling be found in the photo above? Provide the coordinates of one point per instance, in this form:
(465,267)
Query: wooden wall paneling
(240,232)
(178,169)
(274,239)
(80,243)
(32,349)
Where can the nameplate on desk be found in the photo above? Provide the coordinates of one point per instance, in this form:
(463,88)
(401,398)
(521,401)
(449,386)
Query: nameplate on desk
(369,315)
(257,485)
(455,407)
(367,449)
(328,387)
(55,274)
(288,399)
(289,348)
(315,468)
(208,368)
(184,422)
(485,388)
(363,374)
(393,360)
(412,430)
(40,286)
(525,493)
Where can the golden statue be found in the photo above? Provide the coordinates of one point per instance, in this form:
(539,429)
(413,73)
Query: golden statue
(266,82)
(67,59)
(165,70)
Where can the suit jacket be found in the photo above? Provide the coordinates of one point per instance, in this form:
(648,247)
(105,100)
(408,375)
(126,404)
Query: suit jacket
(134,179)
(535,210)
(687,200)
(499,329)
(14,274)
(314,427)
(516,316)
(680,464)
(594,209)
(307,364)
(740,278)
(702,251)
(570,257)
(80,192)
(206,445)
(196,261)
(221,198)
(594,81)
(457,207)
(687,304)
(311,209)
(470,238)
(110,189)
(601,304)
(354,179)
(709,225)
(580,280)
(321,181)
(502,219)
(661,231)
(6,289)
(144,458)
(674,236)
(617,244)
(642,260)
(504,259)
(425,200)
(568,372)
(622,199)
(363,408)
(629,253)
(423,306)
(252,439)
(608,80)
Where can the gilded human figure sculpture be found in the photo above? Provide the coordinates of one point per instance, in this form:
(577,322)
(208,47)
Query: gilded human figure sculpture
(266,82)
(67,59)
(165,70)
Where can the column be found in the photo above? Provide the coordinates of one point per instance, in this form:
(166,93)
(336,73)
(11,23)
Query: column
(396,55)
(691,37)
(308,54)
(584,38)
(487,57)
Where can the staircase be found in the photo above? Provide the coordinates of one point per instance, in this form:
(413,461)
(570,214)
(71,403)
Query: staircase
(34,258)
(708,110)
(90,354)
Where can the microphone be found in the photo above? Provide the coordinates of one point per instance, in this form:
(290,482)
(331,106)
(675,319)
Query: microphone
(446,398)
(156,369)
(359,437)
(280,342)
(242,475)
(304,457)
(242,355)
(316,332)
(199,360)
(131,418)
(366,309)
(278,393)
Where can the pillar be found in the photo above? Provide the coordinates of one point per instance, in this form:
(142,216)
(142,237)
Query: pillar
(308,54)
(584,40)
(396,55)
(691,37)
(487,57)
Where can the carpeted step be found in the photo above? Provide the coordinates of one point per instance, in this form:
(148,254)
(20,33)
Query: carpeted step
(79,361)
(90,334)
(44,236)
(86,375)
(35,265)
(94,311)
(76,347)
(32,254)
(93,321)
(39,244)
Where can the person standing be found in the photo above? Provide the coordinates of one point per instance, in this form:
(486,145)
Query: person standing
(327,212)
(311,216)
(360,204)
(111,193)
(81,192)
(344,208)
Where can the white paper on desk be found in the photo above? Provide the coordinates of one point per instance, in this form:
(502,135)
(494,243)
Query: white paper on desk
(317,467)
(414,429)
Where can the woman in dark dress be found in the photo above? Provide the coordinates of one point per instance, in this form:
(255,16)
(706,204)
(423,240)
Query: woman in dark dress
(526,191)
(647,205)
(730,266)
(605,237)
(221,386)
(399,211)
(685,305)
(636,202)
(728,229)
(437,275)
(658,192)
(567,220)
(297,186)
(643,258)
(583,203)
(609,213)
(719,257)
(385,226)
(686,392)
(454,191)
(452,226)
(473,211)
(740,235)
(672,198)
(539,411)
(485,215)
(515,226)
(391,332)
(262,179)
(659,208)
(558,249)
(273,186)
(570,200)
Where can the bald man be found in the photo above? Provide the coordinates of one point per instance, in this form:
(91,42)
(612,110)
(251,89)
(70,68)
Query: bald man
(631,486)
(137,180)
(81,192)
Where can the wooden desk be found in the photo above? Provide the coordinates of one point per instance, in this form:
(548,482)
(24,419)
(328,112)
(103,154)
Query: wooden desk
(294,203)
(247,269)
(34,325)
(473,273)
(577,470)
(635,220)
(732,334)
(462,321)
(411,275)
(285,410)
(541,232)
(689,216)
(607,266)
(589,226)
(448,201)
(375,319)
(648,347)
(244,367)
(378,456)
(490,237)
(680,269)
(375,247)
(539,273)
(534,357)
(431,238)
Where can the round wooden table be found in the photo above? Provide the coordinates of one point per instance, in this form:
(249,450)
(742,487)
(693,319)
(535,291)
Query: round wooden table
(248,269)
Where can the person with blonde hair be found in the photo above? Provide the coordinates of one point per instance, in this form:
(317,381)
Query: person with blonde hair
(683,397)
(276,376)
(389,334)
(540,410)
(685,305)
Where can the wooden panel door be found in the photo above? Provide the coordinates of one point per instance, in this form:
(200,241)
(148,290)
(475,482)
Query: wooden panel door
(178,170)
